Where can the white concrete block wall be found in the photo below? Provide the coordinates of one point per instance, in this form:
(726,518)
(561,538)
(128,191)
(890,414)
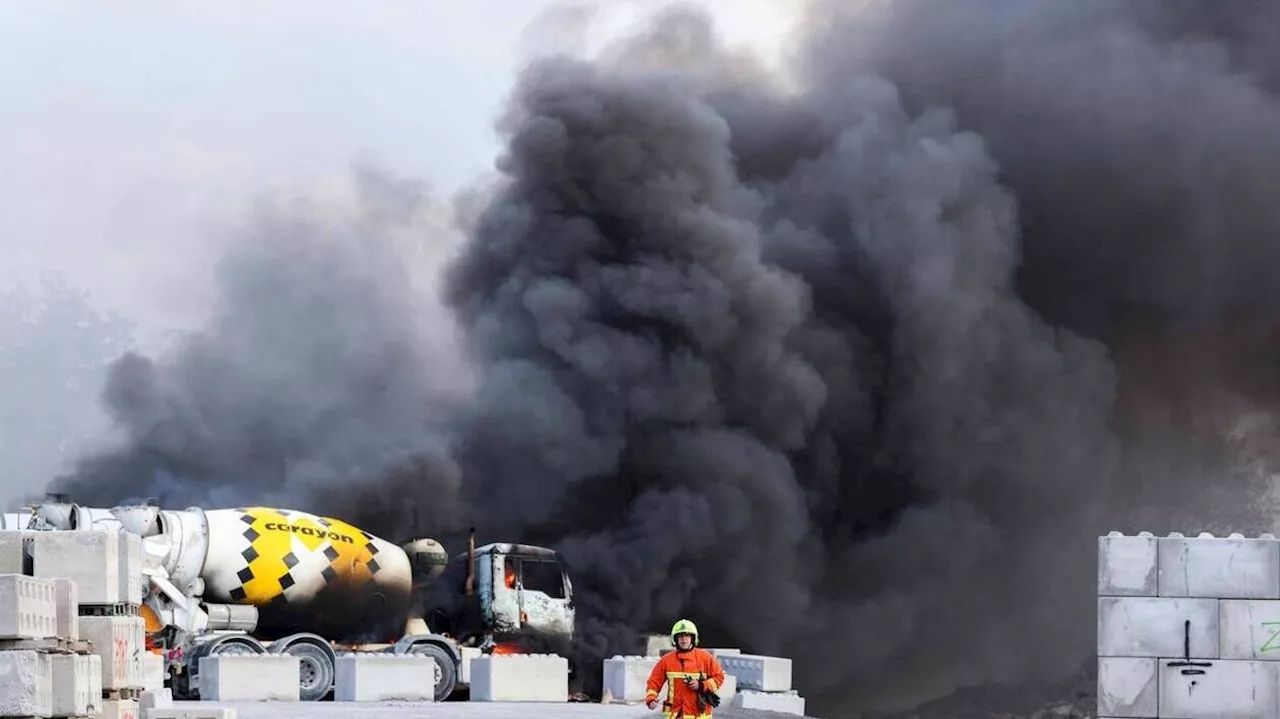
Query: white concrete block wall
(758,672)
(625,677)
(73,685)
(1220,567)
(782,702)
(93,666)
(1225,689)
(1128,687)
(28,607)
(384,677)
(520,678)
(1127,566)
(249,677)
(153,672)
(1157,627)
(91,558)
(464,666)
(120,642)
(68,597)
(26,684)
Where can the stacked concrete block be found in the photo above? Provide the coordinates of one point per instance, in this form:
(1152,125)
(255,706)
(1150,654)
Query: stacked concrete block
(625,677)
(89,558)
(13,552)
(119,709)
(77,685)
(1188,627)
(385,677)
(250,677)
(121,643)
(464,666)
(520,678)
(153,671)
(759,673)
(68,597)
(131,580)
(28,607)
(26,684)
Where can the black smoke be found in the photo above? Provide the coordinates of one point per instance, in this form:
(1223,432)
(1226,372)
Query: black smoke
(851,367)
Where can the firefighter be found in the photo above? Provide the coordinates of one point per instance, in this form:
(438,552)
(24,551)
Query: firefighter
(692,675)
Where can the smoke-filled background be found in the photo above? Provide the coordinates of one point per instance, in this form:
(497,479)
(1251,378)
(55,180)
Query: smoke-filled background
(850,362)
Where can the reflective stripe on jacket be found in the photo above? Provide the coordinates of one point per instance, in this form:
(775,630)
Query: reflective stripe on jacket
(672,669)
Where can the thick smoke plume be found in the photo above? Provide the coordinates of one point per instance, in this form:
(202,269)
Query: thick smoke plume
(852,366)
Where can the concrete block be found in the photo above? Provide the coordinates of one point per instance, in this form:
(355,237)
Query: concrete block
(153,671)
(1221,567)
(91,558)
(1156,627)
(787,702)
(729,689)
(520,678)
(177,712)
(1249,629)
(119,709)
(13,553)
(155,699)
(1127,566)
(625,677)
(68,598)
(28,607)
(385,677)
(73,684)
(464,665)
(249,677)
(1226,689)
(121,642)
(1128,687)
(131,579)
(26,684)
(758,672)
(93,666)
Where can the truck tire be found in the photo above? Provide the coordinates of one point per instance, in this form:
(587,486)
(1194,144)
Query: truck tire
(446,670)
(315,671)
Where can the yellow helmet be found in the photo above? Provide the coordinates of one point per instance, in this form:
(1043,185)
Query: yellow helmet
(684,626)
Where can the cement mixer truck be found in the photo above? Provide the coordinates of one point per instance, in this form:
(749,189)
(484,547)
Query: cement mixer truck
(264,579)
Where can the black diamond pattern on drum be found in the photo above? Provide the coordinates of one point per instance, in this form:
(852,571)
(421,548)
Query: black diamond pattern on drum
(329,574)
(245,575)
(249,554)
(330,553)
(371,548)
(279,600)
(247,519)
(290,561)
(238,594)
(251,534)
(287,580)
(374,566)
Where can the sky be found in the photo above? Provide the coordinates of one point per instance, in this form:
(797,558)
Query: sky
(133,135)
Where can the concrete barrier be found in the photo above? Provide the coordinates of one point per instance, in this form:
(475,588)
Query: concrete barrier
(26,684)
(520,678)
(625,677)
(132,581)
(758,672)
(176,712)
(249,677)
(1128,686)
(787,702)
(28,607)
(385,677)
(121,642)
(153,672)
(13,553)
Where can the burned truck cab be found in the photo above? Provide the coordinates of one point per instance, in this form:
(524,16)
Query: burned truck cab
(500,593)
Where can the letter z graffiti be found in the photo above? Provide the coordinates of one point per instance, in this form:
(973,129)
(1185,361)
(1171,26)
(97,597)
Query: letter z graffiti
(1272,643)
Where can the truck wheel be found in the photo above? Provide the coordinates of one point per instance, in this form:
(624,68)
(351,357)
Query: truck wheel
(446,672)
(315,671)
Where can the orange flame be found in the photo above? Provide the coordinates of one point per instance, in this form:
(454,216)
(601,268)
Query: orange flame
(506,648)
(510,577)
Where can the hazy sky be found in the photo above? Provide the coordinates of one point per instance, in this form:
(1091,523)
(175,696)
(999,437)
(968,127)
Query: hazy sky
(131,134)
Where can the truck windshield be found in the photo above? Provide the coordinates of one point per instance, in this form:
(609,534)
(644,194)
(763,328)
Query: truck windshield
(539,575)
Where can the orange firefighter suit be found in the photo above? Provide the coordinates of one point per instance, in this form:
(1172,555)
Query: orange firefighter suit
(673,668)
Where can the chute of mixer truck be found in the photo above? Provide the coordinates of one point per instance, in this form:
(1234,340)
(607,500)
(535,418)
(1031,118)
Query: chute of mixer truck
(262,579)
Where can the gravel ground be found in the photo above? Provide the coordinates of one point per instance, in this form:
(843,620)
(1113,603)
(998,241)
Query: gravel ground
(461,710)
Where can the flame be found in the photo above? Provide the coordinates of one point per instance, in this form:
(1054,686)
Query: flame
(506,648)
(510,577)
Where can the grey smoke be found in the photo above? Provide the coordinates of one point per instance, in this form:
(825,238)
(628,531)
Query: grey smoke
(854,372)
